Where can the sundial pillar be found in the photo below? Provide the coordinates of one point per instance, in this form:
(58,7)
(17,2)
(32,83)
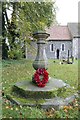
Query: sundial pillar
(41,60)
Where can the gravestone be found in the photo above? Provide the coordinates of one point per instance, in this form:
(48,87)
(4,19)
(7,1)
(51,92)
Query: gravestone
(31,92)
(68,57)
(68,60)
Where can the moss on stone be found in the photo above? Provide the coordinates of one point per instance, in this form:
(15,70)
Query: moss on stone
(24,101)
(29,90)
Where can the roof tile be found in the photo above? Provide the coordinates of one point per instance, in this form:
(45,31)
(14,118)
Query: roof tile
(59,33)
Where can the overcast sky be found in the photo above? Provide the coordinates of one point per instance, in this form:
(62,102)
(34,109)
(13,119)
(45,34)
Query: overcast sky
(67,11)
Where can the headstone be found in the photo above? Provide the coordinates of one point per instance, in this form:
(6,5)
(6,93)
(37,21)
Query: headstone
(68,57)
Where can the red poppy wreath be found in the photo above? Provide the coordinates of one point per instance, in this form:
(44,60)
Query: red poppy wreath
(41,77)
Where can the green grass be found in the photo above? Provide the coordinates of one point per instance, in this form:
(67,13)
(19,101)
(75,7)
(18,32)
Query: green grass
(66,72)
(14,71)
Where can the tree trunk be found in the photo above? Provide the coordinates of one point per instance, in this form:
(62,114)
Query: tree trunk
(4,45)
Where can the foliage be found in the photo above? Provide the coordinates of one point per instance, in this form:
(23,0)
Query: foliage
(15,52)
(67,112)
(12,111)
(38,15)
(26,17)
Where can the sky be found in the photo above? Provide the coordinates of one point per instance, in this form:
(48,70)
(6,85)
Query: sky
(67,11)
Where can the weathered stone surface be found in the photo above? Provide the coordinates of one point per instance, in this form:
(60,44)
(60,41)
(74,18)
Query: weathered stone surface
(42,97)
(30,90)
(41,60)
(57,102)
(51,85)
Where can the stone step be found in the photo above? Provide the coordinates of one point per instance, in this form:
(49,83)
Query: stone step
(28,89)
(57,102)
(26,93)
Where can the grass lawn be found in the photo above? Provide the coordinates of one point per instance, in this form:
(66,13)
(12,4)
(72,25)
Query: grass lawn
(14,71)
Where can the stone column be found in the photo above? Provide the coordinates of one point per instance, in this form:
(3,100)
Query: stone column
(41,60)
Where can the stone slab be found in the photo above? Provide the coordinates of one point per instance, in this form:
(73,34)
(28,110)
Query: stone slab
(57,102)
(52,84)
(29,90)
(27,87)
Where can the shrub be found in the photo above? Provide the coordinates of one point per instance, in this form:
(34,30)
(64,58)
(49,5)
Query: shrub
(15,52)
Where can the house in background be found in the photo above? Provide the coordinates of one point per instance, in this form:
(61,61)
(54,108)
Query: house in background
(59,42)
(62,42)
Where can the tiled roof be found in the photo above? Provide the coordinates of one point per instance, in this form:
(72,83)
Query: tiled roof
(59,33)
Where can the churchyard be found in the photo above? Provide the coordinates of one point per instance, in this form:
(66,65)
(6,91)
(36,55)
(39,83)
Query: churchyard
(46,87)
(16,70)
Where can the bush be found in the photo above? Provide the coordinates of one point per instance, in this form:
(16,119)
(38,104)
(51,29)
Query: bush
(15,54)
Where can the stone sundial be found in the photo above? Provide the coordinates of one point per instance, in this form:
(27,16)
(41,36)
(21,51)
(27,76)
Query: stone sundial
(28,91)
(41,60)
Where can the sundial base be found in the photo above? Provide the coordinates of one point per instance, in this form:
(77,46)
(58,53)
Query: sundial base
(26,93)
(56,102)
(29,89)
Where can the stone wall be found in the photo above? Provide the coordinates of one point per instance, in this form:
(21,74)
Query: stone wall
(57,45)
(75,47)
